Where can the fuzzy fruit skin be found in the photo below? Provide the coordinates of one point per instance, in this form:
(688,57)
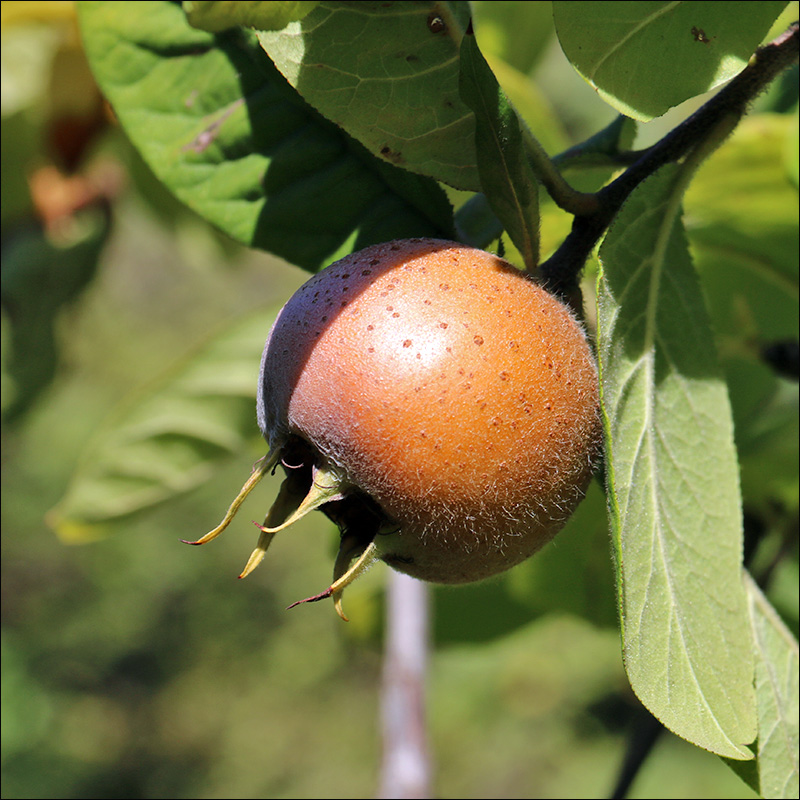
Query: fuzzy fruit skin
(449,387)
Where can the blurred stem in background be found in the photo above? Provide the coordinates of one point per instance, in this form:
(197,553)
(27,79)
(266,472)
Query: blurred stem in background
(406,767)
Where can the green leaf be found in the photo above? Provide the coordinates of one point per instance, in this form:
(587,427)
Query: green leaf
(672,481)
(218,15)
(219,126)
(388,75)
(777,670)
(172,438)
(644,58)
(507,179)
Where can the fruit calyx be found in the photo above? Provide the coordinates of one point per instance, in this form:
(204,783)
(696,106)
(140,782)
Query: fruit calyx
(312,483)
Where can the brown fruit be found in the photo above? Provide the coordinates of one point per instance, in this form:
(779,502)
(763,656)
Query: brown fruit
(436,403)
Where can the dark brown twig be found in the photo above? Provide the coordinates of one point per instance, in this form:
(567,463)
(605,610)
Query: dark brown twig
(560,272)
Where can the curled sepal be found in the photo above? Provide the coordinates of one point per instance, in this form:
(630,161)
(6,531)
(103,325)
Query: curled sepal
(349,548)
(266,465)
(294,502)
(256,557)
(364,562)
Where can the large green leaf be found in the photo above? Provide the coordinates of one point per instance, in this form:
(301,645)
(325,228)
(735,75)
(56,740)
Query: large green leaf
(387,73)
(170,439)
(672,481)
(221,128)
(644,58)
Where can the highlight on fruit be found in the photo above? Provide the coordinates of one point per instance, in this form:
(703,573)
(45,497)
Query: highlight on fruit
(435,403)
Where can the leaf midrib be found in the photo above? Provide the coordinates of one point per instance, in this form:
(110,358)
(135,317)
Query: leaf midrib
(644,23)
(658,261)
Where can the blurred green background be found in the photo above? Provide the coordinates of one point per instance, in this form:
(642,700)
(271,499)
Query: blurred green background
(135,667)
